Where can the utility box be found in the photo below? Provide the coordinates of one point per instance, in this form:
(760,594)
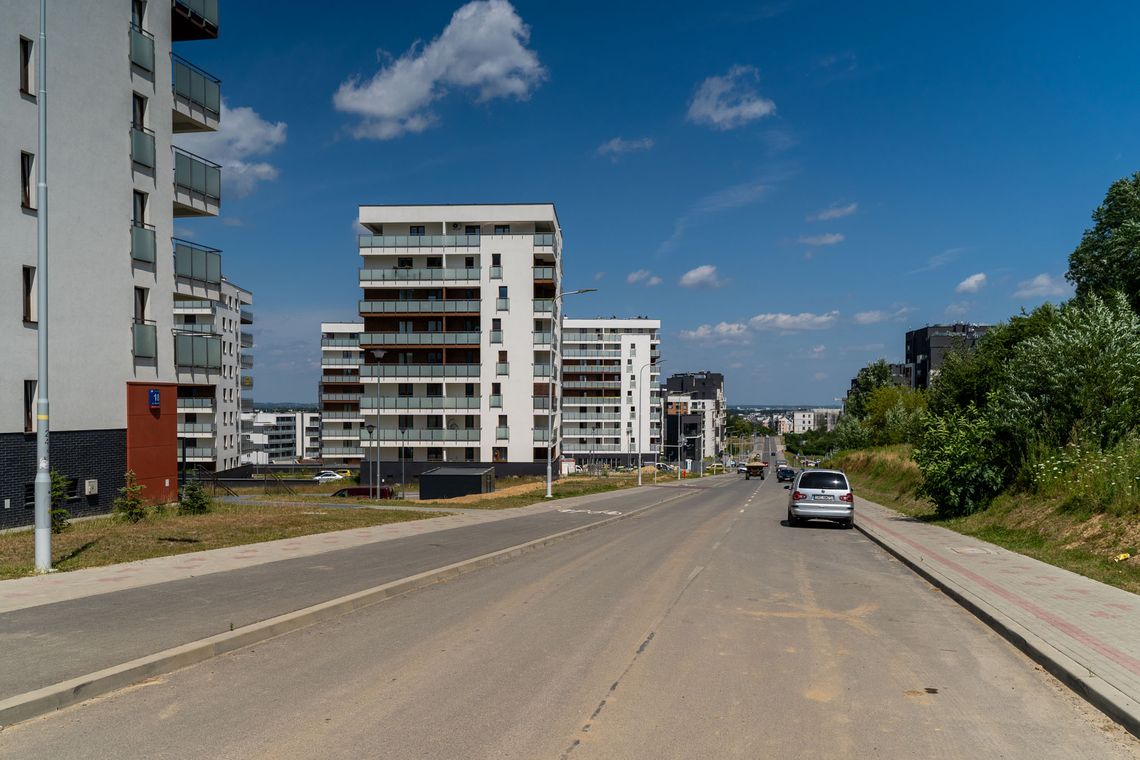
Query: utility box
(91,487)
(450,482)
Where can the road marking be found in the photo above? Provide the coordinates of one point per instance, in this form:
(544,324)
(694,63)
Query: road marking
(590,512)
(716,545)
(696,571)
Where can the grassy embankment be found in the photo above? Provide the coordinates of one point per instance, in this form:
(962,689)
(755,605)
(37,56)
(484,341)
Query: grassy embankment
(107,541)
(1052,525)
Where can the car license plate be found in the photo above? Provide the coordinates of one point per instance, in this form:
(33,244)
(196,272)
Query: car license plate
(822,497)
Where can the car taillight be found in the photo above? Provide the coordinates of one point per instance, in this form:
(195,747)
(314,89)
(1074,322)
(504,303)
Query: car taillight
(797,496)
(848,497)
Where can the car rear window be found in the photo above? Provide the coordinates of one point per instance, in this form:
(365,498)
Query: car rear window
(823,480)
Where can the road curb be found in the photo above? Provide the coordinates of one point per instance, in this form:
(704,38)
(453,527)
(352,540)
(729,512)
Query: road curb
(1109,700)
(74,690)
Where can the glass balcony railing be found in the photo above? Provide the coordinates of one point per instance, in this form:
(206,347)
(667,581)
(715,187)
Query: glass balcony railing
(544,239)
(543,338)
(496,401)
(142,242)
(496,336)
(541,403)
(541,435)
(340,342)
(197,428)
(342,451)
(194,306)
(197,351)
(198,177)
(496,272)
(427,274)
(542,370)
(420,402)
(196,402)
(188,327)
(419,339)
(204,10)
(142,48)
(196,87)
(197,452)
(419,370)
(419,307)
(420,434)
(145,337)
(543,305)
(197,262)
(246,361)
(502,368)
(502,433)
(544,273)
(418,241)
(502,304)
(142,147)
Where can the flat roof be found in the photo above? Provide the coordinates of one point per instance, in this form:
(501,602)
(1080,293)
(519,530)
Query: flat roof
(641,322)
(458,212)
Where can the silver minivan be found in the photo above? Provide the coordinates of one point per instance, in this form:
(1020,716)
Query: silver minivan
(823,495)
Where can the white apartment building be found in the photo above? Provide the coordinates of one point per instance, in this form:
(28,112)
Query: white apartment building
(803,421)
(461,335)
(117,93)
(280,437)
(611,406)
(341,391)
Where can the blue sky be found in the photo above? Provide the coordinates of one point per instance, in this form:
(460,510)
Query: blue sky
(789,186)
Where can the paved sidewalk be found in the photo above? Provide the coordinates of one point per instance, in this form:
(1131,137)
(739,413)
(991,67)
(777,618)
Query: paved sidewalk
(1084,632)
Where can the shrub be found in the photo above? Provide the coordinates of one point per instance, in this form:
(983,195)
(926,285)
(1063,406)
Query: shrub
(959,473)
(60,516)
(194,500)
(129,504)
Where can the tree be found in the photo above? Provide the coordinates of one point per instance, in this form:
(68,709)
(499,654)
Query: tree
(194,500)
(129,503)
(958,471)
(874,375)
(1108,256)
(60,516)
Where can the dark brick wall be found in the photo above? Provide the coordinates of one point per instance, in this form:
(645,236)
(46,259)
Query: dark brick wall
(77,454)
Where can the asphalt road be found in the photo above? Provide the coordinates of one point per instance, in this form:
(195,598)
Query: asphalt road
(703,628)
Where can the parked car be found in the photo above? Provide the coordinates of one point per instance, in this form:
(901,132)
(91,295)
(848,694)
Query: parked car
(327,476)
(716,468)
(823,495)
(785,474)
(742,469)
(345,473)
(663,467)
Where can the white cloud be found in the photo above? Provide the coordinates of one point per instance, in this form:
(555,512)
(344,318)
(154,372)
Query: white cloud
(735,196)
(618,147)
(972,284)
(877,315)
(820,376)
(653,281)
(638,276)
(598,276)
(830,238)
(241,135)
(704,276)
(959,309)
(817,352)
(722,332)
(1042,286)
(802,321)
(729,101)
(833,212)
(939,260)
(482,49)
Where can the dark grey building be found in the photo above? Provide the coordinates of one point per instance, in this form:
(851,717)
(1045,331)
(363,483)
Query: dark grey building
(927,347)
(685,420)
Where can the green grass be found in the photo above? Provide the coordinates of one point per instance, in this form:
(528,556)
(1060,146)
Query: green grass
(1046,527)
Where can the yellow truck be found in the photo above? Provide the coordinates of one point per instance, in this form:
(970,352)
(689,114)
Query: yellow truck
(755,468)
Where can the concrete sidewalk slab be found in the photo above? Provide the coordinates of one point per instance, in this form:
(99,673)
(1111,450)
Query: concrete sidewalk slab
(1082,631)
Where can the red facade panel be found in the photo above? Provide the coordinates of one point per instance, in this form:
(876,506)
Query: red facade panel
(152,438)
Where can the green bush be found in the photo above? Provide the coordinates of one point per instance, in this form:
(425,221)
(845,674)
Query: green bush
(60,516)
(959,473)
(194,500)
(129,504)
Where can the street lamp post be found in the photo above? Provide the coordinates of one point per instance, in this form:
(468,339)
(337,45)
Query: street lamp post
(375,473)
(403,456)
(641,419)
(550,387)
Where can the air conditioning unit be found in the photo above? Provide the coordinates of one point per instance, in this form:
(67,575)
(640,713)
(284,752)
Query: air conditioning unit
(91,487)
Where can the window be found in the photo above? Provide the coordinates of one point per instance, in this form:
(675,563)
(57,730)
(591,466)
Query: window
(404,422)
(502,356)
(496,259)
(435,455)
(434,262)
(502,291)
(138,111)
(138,11)
(435,325)
(496,389)
(141,296)
(404,390)
(29,406)
(633,349)
(434,422)
(469,390)
(404,262)
(435,389)
(469,262)
(406,453)
(27,67)
(469,454)
(416,230)
(29,281)
(472,229)
(502,229)
(27,172)
(469,422)
(140,208)
(496,323)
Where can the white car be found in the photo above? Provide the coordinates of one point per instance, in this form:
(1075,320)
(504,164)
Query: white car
(327,476)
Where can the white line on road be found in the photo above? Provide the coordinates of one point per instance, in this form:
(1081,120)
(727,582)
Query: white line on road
(696,571)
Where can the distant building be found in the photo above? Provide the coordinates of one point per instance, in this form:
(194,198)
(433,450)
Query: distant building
(280,437)
(341,391)
(803,422)
(710,417)
(902,375)
(927,347)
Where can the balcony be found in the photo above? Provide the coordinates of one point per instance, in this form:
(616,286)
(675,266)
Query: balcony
(246,316)
(194,20)
(589,448)
(418,435)
(589,353)
(142,48)
(541,435)
(197,454)
(543,338)
(342,397)
(246,361)
(142,146)
(206,328)
(379,277)
(420,402)
(496,272)
(196,429)
(541,403)
(142,242)
(544,240)
(544,273)
(246,405)
(353,342)
(417,241)
(496,400)
(245,340)
(420,339)
(197,97)
(197,352)
(342,416)
(341,435)
(342,361)
(419,307)
(246,382)
(197,263)
(194,307)
(352,379)
(195,405)
(496,336)
(145,338)
(591,416)
(419,370)
(502,433)
(571,369)
(502,304)
(502,368)
(197,185)
(542,370)
(543,305)
(342,451)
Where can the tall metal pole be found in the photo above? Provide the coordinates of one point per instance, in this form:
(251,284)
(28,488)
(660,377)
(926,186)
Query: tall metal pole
(641,419)
(43,464)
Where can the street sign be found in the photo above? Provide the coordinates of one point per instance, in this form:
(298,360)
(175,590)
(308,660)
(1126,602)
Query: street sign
(153,398)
